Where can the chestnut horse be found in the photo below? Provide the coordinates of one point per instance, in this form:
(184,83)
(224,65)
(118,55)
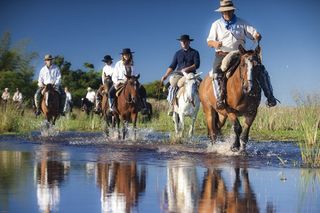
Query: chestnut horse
(128,104)
(50,103)
(243,99)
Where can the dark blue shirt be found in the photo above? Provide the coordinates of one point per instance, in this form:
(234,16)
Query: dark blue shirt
(185,58)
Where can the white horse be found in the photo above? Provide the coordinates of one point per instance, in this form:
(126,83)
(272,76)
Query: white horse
(188,103)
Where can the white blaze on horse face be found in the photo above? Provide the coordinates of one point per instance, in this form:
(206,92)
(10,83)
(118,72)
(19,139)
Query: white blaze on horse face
(190,89)
(249,73)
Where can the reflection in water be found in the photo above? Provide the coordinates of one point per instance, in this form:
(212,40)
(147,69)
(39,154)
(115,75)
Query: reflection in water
(120,185)
(215,196)
(181,194)
(50,171)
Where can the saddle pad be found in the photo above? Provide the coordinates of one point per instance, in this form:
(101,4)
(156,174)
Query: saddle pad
(119,90)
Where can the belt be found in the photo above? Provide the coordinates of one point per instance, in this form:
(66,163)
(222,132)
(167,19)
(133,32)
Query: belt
(221,53)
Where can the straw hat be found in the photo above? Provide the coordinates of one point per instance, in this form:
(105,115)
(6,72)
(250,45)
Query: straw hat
(89,89)
(48,57)
(225,5)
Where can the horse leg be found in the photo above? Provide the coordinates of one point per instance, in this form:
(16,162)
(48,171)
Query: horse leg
(175,118)
(245,133)
(211,114)
(237,129)
(134,117)
(181,122)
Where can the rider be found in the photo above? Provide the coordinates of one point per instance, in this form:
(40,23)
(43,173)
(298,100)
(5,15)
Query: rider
(5,95)
(49,74)
(91,95)
(226,34)
(106,71)
(17,98)
(68,99)
(186,60)
(125,67)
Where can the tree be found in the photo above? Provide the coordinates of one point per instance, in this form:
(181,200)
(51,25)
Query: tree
(155,90)
(16,69)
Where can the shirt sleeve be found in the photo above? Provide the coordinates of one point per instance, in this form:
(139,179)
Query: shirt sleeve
(213,32)
(58,76)
(197,59)
(249,30)
(174,62)
(40,79)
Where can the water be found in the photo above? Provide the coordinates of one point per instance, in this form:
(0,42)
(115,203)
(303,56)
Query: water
(85,172)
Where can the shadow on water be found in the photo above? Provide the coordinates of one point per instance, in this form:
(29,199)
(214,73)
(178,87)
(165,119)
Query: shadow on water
(85,172)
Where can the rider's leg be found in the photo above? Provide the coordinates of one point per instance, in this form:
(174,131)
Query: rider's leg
(218,76)
(111,98)
(62,98)
(265,83)
(173,91)
(37,100)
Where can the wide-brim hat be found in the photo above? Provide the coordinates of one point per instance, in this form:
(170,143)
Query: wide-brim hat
(89,89)
(184,38)
(48,57)
(126,51)
(107,58)
(225,5)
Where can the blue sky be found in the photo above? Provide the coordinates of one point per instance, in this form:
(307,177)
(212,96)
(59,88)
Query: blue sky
(86,30)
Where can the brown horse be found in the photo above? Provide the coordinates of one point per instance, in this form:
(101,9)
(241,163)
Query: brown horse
(128,104)
(50,103)
(240,101)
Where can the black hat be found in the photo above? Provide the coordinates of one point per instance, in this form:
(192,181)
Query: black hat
(107,58)
(126,51)
(185,37)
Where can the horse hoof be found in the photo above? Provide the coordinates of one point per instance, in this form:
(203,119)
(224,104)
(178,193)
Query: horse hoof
(235,148)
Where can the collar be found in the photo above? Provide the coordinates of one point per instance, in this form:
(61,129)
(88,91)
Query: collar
(229,24)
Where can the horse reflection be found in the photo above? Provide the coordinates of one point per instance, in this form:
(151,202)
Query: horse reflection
(215,196)
(120,185)
(50,173)
(182,191)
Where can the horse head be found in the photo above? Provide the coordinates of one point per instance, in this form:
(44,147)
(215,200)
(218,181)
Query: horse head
(107,83)
(131,88)
(250,66)
(191,86)
(49,92)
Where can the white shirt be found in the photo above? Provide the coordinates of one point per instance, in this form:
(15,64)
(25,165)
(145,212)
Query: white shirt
(68,96)
(107,70)
(91,96)
(5,95)
(119,73)
(17,97)
(49,75)
(231,40)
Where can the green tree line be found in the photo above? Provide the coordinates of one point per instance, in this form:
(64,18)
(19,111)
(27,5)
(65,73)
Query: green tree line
(17,71)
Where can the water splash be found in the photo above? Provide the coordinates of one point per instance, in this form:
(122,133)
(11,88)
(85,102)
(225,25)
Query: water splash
(48,130)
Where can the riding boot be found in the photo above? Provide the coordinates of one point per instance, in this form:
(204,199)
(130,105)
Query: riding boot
(37,101)
(111,104)
(265,83)
(220,91)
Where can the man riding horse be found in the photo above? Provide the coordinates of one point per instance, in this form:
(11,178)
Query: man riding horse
(49,74)
(123,68)
(186,60)
(226,34)
(107,72)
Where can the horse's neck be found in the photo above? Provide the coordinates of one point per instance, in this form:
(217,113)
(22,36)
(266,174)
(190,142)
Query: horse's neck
(235,82)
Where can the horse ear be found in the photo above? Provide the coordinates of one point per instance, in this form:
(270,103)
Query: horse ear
(127,76)
(241,49)
(138,76)
(198,74)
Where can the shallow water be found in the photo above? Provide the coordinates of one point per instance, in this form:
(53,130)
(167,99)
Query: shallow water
(85,172)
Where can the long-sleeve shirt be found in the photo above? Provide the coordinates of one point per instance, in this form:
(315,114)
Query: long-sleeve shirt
(5,96)
(51,75)
(91,96)
(185,58)
(68,96)
(119,73)
(232,35)
(107,70)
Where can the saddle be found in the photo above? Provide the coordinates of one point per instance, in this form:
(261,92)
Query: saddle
(119,89)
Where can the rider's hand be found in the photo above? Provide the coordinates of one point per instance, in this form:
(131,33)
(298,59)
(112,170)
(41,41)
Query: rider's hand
(257,37)
(163,79)
(215,44)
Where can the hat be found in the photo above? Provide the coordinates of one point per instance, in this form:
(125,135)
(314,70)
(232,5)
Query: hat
(48,57)
(6,88)
(107,58)
(126,51)
(225,5)
(89,89)
(185,37)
